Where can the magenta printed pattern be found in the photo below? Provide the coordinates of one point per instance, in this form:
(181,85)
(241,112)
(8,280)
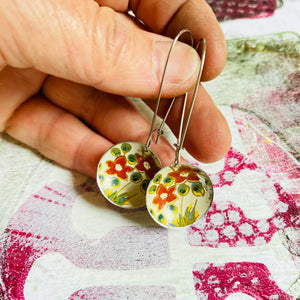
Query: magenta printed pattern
(226,224)
(28,237)
(217,282)
(121,292)
(233,9)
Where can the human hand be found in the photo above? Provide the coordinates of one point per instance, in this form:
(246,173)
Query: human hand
(65,67)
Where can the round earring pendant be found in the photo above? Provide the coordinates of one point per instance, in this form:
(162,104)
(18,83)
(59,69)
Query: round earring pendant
(179,196)
(124,173)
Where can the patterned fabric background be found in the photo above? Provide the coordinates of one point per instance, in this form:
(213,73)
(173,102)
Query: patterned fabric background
(61,240)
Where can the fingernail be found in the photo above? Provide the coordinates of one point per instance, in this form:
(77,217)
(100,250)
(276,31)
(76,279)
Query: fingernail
(183,64)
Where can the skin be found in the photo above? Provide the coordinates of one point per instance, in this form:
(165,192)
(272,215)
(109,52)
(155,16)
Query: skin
(67,68)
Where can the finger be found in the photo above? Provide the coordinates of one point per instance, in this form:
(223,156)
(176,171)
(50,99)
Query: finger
(16,86)
(169,17)
(119,120)
(93,45)
(114,117)
(58,135)
(208,136)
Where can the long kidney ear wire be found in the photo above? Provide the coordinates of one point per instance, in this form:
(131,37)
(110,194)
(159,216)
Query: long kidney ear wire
(160,129)
(182,131)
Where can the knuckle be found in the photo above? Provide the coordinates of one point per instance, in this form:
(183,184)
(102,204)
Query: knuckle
(113,40)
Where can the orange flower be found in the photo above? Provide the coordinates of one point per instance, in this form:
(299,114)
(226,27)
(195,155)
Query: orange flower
(164,195)
(118,167)
(147,165)
(185,173)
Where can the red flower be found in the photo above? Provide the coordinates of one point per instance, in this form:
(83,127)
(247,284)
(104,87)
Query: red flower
(185,173)
(118,167)
(147,165)
(164,195)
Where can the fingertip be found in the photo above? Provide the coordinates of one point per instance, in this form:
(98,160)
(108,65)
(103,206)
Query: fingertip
(216,56)
(198,17)
(88,154)
(209,138)
(216,144)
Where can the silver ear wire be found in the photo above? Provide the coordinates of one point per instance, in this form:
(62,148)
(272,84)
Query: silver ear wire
(160,131)
(182,131)
(182,135)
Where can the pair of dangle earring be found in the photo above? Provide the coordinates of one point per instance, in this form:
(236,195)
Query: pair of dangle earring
(130,175)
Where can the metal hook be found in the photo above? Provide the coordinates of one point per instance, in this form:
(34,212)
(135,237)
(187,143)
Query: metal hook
(181,135)
(160,131)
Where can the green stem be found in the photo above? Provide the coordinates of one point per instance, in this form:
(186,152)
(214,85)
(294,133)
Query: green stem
(181,212)
(124,186)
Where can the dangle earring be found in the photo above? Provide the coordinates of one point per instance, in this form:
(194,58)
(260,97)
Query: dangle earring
(125,170)
(180,194)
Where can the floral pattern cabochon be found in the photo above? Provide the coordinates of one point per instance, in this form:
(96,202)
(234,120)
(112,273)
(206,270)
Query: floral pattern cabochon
(179,195)
(124,173)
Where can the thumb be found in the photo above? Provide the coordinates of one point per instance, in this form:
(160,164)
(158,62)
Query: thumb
(83,42)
